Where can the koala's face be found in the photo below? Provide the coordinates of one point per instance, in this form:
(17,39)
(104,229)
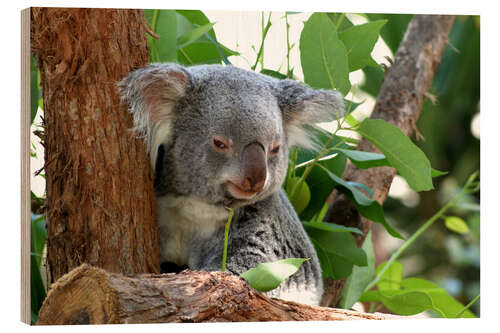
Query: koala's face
(228,141)
(219,133)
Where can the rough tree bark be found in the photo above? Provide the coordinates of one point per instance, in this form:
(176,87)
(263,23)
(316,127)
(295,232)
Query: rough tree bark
(99,297)
(399,102)
(100,203)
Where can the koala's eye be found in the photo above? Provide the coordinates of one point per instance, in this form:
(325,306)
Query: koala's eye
(222,144)
(274,150)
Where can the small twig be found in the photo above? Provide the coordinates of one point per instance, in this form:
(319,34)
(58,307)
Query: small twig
(468,306)
(150,31)
(261,49)
(226,234)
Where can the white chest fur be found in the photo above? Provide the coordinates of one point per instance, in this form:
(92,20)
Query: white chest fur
(182,221)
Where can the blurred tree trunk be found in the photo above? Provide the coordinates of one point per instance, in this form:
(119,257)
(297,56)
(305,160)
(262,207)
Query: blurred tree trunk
(100,206)
(399,103)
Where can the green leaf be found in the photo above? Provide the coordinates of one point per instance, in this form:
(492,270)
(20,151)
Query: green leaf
(401,302)
(415,296)
(302,195)
(202,52)
(321,185)
(360,277)
(338,252)
(400,151)
(323,56)
(38,236)
(268,276)
(340,21)
(206,49)
(392,32)
(456,224)
(392,277)
(272,73)
(197,18)
(436,173)
(359,41)
(373,81)
(363,187)
(326,263)
(164,24)
(353,122)
(37,290)
(332,227)
(367,207)
(166,29)
(443,304)
(363,159)
(406,303)
(193,35)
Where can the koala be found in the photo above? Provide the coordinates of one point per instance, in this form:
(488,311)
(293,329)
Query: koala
(218,136)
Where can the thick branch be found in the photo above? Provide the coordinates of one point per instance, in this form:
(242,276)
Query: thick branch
(399,102)
(90,295)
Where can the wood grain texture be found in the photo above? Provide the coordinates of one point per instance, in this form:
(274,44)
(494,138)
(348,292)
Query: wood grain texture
(100,200)
(399,103)
(89,295)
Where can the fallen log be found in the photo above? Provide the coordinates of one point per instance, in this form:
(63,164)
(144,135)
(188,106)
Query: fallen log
(90,295)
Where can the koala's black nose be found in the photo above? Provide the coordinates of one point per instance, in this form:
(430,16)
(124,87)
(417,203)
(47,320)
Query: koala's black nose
(254,167)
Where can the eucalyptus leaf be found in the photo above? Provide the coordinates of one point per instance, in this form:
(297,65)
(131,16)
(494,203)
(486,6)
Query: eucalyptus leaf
(323,55)
(321,185)
(268,276)
(302,194)
(400,151)
(443,303)
(37,289)
(340,21)
(392,277)
(367,207)
(165,26)
(338,244)
(407,303)
(201,52)
(193,35)
(197,18)
(326,263)
(359,41)
(393,31)
(38,236)
(332,266)
(363,187)
(364,160)
(360,277)
(271,73)
(436,173)
(456,224)
(332,227)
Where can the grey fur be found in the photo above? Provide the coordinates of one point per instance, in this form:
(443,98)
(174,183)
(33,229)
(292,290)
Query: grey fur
(178,111)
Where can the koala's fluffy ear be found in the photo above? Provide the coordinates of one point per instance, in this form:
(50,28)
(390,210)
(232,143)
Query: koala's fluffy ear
(302,105)
(151,94)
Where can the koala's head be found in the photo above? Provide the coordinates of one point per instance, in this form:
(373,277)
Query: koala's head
(222,134)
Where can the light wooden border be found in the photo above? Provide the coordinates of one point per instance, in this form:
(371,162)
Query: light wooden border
(25,166)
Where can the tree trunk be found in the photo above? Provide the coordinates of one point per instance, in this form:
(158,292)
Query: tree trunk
(100,205)
(399,103)
(89,295)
